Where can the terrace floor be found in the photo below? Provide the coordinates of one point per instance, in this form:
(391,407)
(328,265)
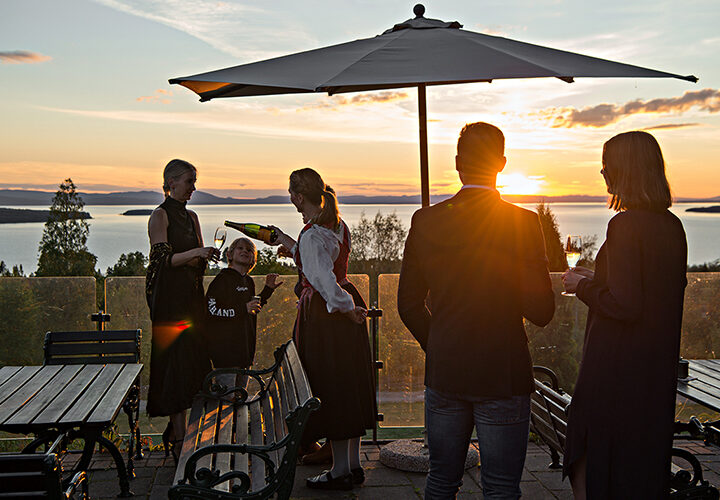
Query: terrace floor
(154,475)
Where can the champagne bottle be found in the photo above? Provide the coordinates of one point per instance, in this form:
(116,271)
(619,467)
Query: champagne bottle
(256,231)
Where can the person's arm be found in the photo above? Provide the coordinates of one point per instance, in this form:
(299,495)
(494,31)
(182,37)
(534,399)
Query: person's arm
(157,231)
(537,297)
(317,253)
(622,295)
(271,283)
(412,291)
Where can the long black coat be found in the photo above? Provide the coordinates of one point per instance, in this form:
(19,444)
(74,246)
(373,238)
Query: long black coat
(483,262)
(623,408)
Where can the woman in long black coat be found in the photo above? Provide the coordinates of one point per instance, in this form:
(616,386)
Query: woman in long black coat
(628,372)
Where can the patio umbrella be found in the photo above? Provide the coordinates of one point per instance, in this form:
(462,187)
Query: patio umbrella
(416,53)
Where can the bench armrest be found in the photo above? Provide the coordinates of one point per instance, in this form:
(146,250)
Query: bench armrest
(213,389)
(79,480)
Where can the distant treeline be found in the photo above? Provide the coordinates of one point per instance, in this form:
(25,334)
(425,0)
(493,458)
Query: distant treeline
(17,215)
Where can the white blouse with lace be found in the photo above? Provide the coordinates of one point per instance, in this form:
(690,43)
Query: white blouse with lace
(319,247)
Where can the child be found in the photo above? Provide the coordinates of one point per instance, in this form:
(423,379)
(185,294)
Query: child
(232,308)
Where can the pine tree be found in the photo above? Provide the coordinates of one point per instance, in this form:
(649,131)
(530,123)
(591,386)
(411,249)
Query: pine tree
(553,241)
(63,250)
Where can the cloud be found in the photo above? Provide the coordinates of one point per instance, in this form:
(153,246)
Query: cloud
(669,126)
(161,95)
(605,114)
(338,101)
(235,28)
(22,57)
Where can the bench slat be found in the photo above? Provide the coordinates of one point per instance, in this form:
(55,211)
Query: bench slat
(92,335)
(241,437)
(93,360)
(279,416)
(300,381)
(44,397)
(550,406)
(24,393)
(82,408)
(280,384)
(68,396)
(224,436)
(16,380)
(546,432)
(269,425)
(286,377)
(257,466)
(79,348)
(207,431)
(6,372)
(122,385)
(191,436)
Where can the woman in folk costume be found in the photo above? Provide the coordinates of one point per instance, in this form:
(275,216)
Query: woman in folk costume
(330,331)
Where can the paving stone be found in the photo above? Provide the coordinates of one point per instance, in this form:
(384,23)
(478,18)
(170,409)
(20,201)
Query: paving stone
(469,485)
(417,479)
(101,489)
(535,491)
(387,492)
(553,480)
(103,475)
(563,494)
(159,492)
(386,477)
(537,462)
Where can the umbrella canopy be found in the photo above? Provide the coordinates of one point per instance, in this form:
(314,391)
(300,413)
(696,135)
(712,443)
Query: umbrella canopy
(415,53)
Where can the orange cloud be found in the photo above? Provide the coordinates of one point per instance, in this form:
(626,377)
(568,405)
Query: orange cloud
(668,126)
(159,96)
(337,101)
(605,114)
(22,57)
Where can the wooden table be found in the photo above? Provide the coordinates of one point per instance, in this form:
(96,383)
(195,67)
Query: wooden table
(82,400)
(703,383)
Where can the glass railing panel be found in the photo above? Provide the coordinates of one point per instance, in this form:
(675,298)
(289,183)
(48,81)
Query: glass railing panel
(401,381)
(29,307)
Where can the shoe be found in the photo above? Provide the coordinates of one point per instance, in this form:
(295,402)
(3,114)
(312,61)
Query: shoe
(307,450)
(321,456)
(358,476)
(166,438)
(325,481)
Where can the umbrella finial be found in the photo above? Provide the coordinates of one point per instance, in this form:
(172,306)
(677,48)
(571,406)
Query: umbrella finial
(419,10)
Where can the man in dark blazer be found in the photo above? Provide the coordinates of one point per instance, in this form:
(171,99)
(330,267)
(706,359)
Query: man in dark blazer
(474,266)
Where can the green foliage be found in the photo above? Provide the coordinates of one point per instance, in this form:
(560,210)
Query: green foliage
(707,267)
(63,250)
(377,245)
(267,262)
(553,241)
(17,271)
(131,264)
(20,314)
(589,249)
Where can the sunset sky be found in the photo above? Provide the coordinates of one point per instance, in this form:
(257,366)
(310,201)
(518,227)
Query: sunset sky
(85,95)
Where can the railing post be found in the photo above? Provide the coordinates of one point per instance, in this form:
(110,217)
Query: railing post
(374,314)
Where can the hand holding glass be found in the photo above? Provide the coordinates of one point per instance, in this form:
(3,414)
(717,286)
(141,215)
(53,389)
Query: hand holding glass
(573,251)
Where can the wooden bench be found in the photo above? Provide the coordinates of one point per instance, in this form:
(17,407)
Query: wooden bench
(239,445)
(39,475)
(548,419)
(102,347)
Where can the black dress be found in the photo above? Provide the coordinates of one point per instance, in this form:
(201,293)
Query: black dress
(335,352)
(229,329)
(623,409)
(178,360)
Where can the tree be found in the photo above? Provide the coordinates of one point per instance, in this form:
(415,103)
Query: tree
(553,242)
(63,250)
(131,264)
(16,271)
(267,262)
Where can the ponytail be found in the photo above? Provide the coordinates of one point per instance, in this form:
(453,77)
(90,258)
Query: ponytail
(308,182)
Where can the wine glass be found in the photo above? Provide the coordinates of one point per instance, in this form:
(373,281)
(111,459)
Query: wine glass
(573,251)
(220,237)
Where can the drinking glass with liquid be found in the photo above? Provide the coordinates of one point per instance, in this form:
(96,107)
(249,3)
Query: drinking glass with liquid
(573,251)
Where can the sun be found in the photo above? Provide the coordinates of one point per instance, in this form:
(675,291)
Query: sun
(519,184)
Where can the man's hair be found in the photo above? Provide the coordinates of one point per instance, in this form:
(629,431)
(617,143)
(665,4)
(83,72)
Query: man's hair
(480,147)
(634,171)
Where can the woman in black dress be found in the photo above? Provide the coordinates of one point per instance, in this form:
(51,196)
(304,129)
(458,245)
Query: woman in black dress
(178,362)
(632,339)
(330,331)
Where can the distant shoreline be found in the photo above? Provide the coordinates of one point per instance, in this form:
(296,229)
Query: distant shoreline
(19,197)
(20,215)
(708,210)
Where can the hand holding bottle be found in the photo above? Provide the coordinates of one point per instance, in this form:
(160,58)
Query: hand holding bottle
(282,238)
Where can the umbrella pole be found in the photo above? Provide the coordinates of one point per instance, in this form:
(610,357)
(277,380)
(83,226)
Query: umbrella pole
(422,119)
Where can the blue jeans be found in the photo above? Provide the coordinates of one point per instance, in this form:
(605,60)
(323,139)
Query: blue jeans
(502,430)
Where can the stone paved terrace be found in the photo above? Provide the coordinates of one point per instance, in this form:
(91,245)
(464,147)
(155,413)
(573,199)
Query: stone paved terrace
(155,474)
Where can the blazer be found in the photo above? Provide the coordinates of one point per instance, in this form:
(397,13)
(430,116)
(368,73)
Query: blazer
(481,263)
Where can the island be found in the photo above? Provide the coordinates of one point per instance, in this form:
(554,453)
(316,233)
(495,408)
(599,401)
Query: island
(18,215)
(708,210)
(138,211)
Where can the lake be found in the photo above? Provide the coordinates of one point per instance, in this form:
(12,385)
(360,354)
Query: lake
(112,234)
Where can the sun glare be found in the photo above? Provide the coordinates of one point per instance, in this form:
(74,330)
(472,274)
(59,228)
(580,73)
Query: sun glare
(519,184)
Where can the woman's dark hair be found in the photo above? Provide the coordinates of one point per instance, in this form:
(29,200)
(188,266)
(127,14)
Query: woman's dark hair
(173,170)
(308,182)
(634,172)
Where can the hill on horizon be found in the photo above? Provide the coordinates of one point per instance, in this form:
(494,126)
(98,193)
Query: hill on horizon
(21,197)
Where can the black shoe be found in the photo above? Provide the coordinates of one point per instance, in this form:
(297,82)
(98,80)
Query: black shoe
(358,476)
(325,481)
